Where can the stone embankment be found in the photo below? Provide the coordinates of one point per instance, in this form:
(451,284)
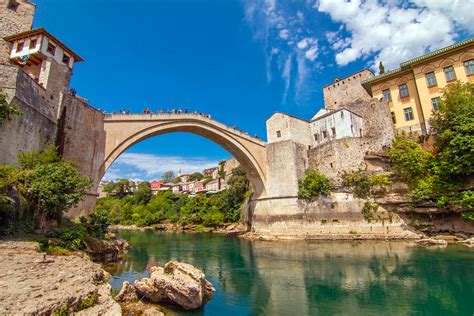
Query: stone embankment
(176,283)
(32,283)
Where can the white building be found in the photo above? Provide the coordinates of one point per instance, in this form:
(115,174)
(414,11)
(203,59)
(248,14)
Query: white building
(329,125)
(32,49)
(326,125)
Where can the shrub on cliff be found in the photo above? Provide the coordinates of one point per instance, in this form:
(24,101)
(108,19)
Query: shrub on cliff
(363,185)
(7,110)
(313,185)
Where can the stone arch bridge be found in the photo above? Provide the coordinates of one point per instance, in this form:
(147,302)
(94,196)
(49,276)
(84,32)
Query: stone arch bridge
(124,130)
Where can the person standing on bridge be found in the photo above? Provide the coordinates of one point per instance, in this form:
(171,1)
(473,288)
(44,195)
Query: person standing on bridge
(185,110)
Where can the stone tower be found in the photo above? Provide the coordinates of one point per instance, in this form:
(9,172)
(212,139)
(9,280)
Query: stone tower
(16,16)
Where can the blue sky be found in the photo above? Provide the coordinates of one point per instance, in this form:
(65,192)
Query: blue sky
(239,60)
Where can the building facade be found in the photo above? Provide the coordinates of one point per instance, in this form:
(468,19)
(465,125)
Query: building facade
(414,90)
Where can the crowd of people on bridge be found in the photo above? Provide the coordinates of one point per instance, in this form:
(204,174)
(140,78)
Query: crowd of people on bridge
(179,111)
(175,111)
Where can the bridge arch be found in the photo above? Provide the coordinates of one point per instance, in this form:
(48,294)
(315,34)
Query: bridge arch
(123,131)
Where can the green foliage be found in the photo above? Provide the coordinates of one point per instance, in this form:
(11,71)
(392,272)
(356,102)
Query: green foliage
(453,125)
(214,210)
(61,311)
(7,110)
(8,179)
(168,176)
(313,185)
(69,236)
(196,176)
(467,199)
(96,224)
(369,210)
(221,172)
(411,162)
(362,184)
(88,302)
(468,216)
(143,193)
(438,177)
(45,185)
(121,188)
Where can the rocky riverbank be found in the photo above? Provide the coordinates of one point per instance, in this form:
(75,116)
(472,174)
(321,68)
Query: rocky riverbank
(32,283)
(230,229)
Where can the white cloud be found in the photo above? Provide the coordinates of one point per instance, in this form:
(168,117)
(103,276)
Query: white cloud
(394,31)
(312,53)
(284,34)
(150,166)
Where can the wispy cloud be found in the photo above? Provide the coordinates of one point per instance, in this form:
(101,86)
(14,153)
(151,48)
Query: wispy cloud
(139,166)
(289,47)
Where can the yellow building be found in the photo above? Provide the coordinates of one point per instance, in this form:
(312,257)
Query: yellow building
(414,89)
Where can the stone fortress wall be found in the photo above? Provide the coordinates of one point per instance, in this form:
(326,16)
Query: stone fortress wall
(51,115)
(35,127)
(345,89)
(81,139)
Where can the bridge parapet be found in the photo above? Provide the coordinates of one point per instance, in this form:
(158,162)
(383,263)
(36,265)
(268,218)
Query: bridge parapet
(181,117)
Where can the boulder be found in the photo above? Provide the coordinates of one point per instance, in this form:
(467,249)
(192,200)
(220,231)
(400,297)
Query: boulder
(106,250)
(178,283)
(468,242)
(127,293)
(432,241)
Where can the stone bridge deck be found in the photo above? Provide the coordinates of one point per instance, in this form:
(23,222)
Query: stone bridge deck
(180,117)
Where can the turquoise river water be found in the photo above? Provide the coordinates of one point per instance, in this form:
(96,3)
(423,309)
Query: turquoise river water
(311,278)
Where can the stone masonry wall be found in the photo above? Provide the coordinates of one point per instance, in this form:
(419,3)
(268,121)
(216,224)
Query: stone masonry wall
(345,155)
(345,90)
(286,162)
(56,83)
(35,127)
(13,22)
(289,128)
(81,139)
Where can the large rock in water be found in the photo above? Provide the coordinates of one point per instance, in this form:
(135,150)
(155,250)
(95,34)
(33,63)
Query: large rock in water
(178,283)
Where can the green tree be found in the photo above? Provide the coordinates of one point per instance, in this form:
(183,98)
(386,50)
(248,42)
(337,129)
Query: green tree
(453,126)
(313,185)
(143,193)
(52,186)
(7,110)
(196,176)
(411,162)
(168,176)
(120,188)
(221,172)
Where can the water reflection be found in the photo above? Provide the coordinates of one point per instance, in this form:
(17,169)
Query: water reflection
(312,278)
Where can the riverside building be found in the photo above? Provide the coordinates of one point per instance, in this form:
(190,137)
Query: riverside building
(414,90)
